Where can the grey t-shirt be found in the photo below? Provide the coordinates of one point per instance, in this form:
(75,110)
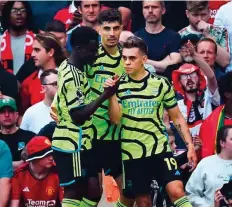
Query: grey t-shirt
(18,51)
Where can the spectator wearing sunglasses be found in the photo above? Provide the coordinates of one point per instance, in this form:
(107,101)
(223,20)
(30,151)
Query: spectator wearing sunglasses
(197,89)
(38,115)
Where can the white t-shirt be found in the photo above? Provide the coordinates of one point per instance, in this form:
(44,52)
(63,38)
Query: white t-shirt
(223,18)
(211,174)
(36,117)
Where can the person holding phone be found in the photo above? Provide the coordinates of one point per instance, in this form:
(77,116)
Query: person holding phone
(212,173)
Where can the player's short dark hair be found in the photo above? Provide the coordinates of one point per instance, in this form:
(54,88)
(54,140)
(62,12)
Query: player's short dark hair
(225,85)
(46,73)
(136,42)
(208,40)
(221,136)
(82,36)
(197,6)
(55,26)
(109,15)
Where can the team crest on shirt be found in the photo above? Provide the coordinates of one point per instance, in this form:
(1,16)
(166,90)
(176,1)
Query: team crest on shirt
(80,96)
(21,145)
(50,191)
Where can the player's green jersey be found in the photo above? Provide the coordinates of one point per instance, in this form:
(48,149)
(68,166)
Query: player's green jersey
(73,91)
(105,67)
(142,131)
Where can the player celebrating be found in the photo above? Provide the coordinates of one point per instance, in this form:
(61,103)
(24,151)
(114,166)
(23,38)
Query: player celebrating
(106,147)
(74,131)
(146,153)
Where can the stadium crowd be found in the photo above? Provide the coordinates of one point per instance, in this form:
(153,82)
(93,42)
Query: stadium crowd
(129,101)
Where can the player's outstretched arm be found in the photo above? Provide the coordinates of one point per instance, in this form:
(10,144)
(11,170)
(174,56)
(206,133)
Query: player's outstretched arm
(83,112)
(184,132)
(115,109)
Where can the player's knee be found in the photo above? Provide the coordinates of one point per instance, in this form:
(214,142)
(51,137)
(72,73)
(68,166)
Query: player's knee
(175,190)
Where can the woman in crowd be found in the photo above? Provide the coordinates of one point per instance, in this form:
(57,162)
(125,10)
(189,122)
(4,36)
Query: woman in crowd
(212,172)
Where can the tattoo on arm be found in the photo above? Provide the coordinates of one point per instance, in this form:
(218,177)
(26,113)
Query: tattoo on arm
(179,129)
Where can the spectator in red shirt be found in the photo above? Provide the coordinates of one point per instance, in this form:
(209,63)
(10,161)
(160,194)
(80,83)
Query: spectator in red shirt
(47,54)
(68,14)
(54,27)
(36,183)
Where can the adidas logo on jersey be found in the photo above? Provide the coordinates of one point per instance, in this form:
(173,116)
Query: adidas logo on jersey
(177,173)
(128,92)
(26,189)
(101,67)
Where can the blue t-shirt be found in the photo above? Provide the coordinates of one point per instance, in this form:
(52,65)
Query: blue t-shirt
(162,44)
(6,168)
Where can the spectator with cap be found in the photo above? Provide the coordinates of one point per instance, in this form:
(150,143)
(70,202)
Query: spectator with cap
(38,115)
(195,96)
(221,116)
(205,47)
(15,138)
(186,56)
(6,172)
(36,182)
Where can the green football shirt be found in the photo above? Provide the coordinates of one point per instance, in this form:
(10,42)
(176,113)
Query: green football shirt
(105,67)
(73,91)
(142,131)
